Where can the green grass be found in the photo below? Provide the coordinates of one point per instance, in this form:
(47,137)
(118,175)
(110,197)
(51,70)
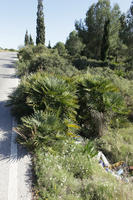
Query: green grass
(118,145)
(70,175)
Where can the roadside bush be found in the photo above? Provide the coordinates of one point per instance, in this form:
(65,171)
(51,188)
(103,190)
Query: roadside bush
(27,53)
(41,128)
(42,91)
(18,100)
(48,60)
(99,101)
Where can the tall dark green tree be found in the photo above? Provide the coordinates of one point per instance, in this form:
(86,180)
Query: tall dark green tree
(31,40)
(129,33)
(26,39)
(105,42)
(49,45)
(40,28)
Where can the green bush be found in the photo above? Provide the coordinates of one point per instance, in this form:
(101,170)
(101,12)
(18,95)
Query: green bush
(99,101)
(41,128)
(42,91)
(82,63)
(42,59)
(18,100)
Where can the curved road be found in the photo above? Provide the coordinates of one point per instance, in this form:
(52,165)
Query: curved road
(15,173)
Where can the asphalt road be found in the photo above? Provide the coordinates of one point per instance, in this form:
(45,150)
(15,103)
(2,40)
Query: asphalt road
(15,171)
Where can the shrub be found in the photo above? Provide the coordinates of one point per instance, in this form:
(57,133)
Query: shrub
(82,63)
(45,60)
(42,91)
(99,101)
(18,100)
(41,128)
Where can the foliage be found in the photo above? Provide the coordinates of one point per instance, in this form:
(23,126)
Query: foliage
(62,51)
(117,145)
(41,128)
(67,94)
(99,101)
(18,100)
(49,45)
(91,31)
(31,40)
(40,28)
(32,59)
(42,91)
(70,175)
(74,44)
(26,39)
(82,63)
(105,42)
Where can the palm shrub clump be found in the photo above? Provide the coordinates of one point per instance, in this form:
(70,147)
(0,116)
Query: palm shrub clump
(100,101)
(49,102)
(41,129)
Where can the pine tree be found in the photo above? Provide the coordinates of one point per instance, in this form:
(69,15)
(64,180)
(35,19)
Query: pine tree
(31,40)
(105,41)
(92,28)
(40,29)
(26,40)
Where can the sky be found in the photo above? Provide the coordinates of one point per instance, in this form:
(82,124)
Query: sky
(18,15)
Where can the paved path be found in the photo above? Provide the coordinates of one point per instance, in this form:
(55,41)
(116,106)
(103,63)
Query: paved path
(15,172)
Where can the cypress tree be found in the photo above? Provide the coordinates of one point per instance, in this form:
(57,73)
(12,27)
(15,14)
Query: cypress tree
(26,39)
(40,29)
(105,41)
(49,45)
(31,40)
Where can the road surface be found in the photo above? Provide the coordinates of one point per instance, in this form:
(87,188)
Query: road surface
(15,173)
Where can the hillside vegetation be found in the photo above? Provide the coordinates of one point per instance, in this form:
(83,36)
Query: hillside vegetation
(73,101)
(55,106)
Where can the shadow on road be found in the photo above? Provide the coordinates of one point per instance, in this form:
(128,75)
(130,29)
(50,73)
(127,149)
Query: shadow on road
(11,65)
(6,123)
(24,163)
(9,76)
(8,60)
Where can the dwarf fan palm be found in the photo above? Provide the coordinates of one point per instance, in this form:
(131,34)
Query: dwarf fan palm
(52,93)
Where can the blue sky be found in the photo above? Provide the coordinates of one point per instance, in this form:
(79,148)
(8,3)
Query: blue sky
(18,15)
